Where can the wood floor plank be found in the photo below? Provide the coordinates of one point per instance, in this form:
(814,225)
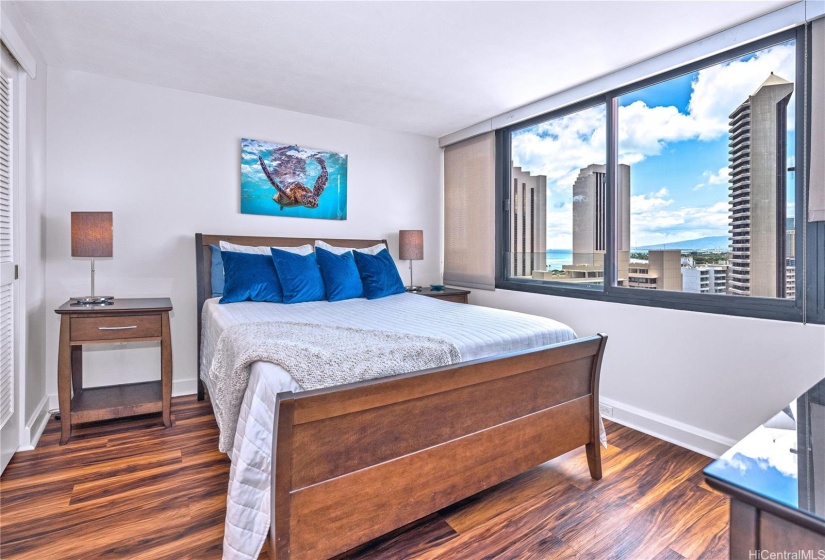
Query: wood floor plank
(501,499)
(496,536)
(694,542)
(407,542)
(668,554)
(570,468)
(654,528)
(134,489)
(100,464)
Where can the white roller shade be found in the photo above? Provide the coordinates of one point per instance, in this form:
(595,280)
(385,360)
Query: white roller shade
(816,196)
(469,212)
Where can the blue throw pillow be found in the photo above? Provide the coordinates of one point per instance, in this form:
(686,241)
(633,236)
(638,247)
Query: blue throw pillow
(379,274)
(340,274)
(249,277)
(299,275)
(217,271)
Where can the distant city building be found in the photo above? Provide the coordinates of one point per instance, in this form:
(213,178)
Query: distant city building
(528,217)
(711,279)
(790,239)
(575,274)
(590,227)
(590,217)
(790,278)
(757,148)
(662,271)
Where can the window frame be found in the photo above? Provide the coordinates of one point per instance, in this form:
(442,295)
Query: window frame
(809,303)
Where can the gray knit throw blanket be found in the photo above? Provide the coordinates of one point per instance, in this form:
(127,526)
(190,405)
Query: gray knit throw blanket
(315,356)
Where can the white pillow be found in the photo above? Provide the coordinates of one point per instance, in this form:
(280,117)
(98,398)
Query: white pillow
(302,250)
(374,250)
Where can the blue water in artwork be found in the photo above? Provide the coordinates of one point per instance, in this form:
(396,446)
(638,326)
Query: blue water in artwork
(288,165)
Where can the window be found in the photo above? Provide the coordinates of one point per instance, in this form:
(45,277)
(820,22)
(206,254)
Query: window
(557,200)
(709,156)
(678,191)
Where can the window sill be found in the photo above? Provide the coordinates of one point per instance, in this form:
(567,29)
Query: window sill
(760,308)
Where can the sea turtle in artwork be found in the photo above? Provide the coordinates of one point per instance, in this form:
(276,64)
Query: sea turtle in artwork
(290,169)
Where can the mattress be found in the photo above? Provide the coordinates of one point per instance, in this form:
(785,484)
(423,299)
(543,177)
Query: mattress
(477,332)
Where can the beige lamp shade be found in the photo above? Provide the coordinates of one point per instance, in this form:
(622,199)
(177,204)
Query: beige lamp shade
(91,234)
(411,245)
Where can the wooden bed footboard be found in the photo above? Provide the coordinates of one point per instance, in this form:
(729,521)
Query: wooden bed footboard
(354,462)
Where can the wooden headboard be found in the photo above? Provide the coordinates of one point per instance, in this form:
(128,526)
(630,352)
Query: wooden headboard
(203,263)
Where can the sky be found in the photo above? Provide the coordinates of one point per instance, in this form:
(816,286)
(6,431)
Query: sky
(674,135)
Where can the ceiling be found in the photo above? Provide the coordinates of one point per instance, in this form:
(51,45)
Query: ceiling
(423,67)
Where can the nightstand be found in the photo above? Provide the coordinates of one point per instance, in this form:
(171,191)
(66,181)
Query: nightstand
(126,320)
(447,294)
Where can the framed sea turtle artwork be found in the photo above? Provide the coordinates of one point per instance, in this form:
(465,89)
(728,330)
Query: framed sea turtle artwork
(293,181)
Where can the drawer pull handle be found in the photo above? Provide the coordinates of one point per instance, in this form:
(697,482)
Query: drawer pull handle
(116,328)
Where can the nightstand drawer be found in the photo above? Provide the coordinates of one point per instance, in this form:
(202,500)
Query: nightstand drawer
(447,294)
(115,328)
(458,298)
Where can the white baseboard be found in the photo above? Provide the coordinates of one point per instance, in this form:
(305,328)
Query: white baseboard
(184,387)
(35,425)
(684,435)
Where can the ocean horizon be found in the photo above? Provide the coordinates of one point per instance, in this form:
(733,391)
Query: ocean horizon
(558,257)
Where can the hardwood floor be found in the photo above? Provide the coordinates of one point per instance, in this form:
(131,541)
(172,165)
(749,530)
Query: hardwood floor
(133,489)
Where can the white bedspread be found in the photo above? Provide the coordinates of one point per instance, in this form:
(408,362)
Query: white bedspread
(476,331)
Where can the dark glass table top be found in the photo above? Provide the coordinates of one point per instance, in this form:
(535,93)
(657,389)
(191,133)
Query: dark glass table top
(783,460)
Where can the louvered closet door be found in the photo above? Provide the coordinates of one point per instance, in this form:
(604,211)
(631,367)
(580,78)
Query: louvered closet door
(9,432)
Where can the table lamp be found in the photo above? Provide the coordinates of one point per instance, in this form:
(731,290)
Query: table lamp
(92,237)
(411,248)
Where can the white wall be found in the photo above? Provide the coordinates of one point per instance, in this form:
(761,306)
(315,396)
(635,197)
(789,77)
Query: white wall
(167,163)
(701,380)
(33,267)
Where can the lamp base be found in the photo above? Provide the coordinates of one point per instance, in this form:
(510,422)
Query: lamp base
(413,288)
(93,300)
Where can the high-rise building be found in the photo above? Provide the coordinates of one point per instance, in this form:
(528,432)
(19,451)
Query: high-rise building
(590,217)
(711,279)
(757,149)
(528,218)
(790,278)
(590,228)
(790,260)
(790,238)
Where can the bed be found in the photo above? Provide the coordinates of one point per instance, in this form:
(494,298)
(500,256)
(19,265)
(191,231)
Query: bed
(356,461)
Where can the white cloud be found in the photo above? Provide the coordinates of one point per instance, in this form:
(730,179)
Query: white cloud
(718,90)
(721,177)
(715,93)
(654,220)
(557,149)
(644,131)
(643,203)
(560,226)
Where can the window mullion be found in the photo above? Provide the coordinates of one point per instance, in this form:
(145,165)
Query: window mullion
(612,142)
